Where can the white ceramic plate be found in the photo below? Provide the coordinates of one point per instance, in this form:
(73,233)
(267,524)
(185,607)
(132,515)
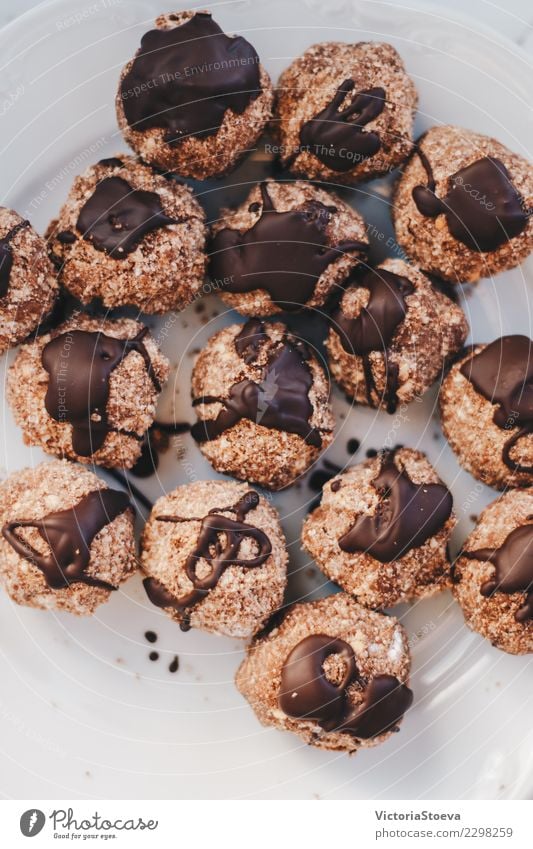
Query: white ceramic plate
(83,711)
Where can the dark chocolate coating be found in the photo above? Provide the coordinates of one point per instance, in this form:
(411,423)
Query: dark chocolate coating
(483,208)
(280,401)
(503,374)
(284,253)
(218,544)
(6,256)
(307,694)
(408,514)
(374,328)
(80,364)
(187,78)
(117,217)
(69,534)
(513,562)
(334,130)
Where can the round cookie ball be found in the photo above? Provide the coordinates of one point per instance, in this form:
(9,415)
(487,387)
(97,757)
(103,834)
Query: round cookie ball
(392,335)
(67,540)
(261,398)
(462,205)
(126,235)
(193,100)
(332,672)
(87,390)
(486,408)
(493,575)
(344,112)
(381,531)
(28,285)
(215,557)
(288,246)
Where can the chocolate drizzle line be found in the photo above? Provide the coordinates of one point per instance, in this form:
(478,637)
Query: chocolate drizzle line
(407,515)
(69,534)
(284,253)
(218,544)
(80,364)
(280,401)
(306,693)
(374,328)
(513,562)
(117,217)
(335,131)
(483,208)
(225,76)
(503,374)
(6,256)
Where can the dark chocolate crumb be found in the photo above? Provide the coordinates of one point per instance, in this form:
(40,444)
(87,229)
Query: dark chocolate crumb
(353,445)
(372,452)
(154,655)
(151,636)
(174,664)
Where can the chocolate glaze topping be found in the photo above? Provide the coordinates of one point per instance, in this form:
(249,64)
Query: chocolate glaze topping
(117,217)
(513,561)
(69,534)
(483,208)
(80,364)
(218,544)
(306,693)
(336,136)
(197,73)
(280,401)
(284,253)
(375,326)
(503,374)
(6,256)
(407,515)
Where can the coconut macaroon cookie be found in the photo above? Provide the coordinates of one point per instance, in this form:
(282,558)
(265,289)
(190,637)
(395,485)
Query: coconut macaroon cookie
(66,539)
(332,672)
(126,235)
(262,403)
(493,574)
(288,246)
(344,112)
(28,285)
(382,529)
(392,335)
(486,405)
(87,390)
(462,207)
(215,557)
(193,99)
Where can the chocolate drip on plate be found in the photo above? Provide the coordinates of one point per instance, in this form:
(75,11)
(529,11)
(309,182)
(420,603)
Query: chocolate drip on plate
(503,374)
(280,401)
(80,364)
(69,534)
(196,73)
(284,253)
(218,544)
(6,256)
(307,693)
(483,208)
(513,562)
(374,328)
(336,136)
(117,217)
(407,515)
